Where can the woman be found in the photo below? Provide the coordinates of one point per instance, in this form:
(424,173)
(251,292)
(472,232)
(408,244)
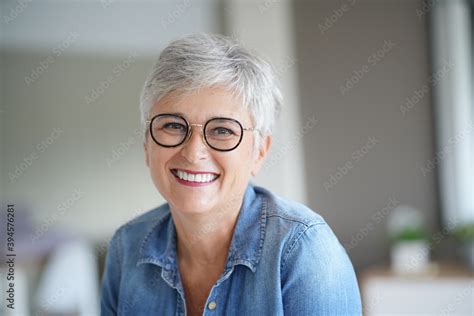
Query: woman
(220,246)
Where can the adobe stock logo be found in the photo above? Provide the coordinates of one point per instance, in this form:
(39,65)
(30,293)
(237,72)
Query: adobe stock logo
(343,170)
(373,60)
(336,15)
(40,148)
(49,60)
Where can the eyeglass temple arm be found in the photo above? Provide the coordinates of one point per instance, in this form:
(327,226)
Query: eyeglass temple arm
(253,130)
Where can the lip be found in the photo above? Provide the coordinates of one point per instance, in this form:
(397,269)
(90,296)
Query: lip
(195,172)
(193,184)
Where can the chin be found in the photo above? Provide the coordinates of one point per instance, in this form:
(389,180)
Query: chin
(192,207)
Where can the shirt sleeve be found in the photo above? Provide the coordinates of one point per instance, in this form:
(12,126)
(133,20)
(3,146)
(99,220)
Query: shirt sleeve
(317,275)
(111,277)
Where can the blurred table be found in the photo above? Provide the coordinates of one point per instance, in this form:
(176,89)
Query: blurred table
(444,289)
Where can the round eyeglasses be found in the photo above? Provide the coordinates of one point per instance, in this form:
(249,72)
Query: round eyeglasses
(220,133)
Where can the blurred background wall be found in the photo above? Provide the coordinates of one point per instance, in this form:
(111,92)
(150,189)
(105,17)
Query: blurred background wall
(355,75)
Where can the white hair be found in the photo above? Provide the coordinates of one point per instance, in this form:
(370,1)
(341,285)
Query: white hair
(206,60)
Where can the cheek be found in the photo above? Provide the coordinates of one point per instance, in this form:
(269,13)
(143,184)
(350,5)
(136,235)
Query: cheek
(250,155)
(157,159)
(240,165)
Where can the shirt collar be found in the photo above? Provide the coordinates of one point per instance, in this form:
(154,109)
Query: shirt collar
(159,244)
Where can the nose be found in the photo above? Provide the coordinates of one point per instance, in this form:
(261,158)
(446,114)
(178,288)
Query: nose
(194,148)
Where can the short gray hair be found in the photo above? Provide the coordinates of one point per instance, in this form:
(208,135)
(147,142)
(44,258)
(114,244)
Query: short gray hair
(207,60)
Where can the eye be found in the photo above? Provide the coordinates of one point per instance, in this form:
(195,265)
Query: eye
(174,126)
(222,131)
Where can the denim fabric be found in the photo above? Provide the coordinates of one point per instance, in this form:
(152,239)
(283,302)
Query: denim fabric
(283,260)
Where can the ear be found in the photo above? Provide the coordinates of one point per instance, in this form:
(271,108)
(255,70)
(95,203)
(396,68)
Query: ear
(265,144)
(145,149)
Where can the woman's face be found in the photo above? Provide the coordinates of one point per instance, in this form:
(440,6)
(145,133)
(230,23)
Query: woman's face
(233,168)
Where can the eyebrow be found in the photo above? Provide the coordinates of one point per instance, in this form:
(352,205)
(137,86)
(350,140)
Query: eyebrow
(184,115)
(175,113)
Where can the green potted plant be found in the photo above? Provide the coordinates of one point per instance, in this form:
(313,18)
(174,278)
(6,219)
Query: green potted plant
(410,248)
(464,234)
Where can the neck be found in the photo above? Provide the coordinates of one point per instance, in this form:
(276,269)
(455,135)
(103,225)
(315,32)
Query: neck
(204,239)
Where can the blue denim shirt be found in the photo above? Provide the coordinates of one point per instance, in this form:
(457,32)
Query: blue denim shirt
(283,259)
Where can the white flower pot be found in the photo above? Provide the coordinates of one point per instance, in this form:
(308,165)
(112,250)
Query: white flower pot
(410,257)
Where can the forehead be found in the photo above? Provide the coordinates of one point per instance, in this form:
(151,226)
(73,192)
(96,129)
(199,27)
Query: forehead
(202,104)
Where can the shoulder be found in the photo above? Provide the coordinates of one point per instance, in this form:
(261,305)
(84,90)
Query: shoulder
(289,223)
(292,212)
(315,270)
(140,226)
(300,231)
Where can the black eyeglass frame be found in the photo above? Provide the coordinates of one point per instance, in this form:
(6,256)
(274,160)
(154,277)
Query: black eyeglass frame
(189,130)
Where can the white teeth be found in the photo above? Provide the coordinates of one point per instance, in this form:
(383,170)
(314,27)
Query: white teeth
(201,177)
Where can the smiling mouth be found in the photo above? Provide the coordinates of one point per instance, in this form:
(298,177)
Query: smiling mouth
(195,177)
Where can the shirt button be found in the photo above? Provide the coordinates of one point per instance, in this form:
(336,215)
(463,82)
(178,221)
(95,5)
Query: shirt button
(212,305)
